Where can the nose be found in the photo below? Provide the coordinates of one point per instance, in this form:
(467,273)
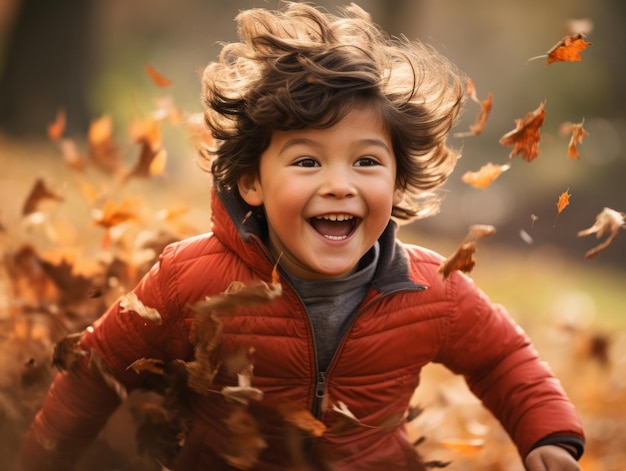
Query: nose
(338,183)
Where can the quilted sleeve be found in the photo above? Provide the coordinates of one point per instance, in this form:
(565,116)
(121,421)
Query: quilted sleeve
(79,402)
(503,369)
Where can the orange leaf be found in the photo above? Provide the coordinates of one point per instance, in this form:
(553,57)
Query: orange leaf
(159,79)
(525,137)
(463,258)
(487,174)
(102,148)
(57,128)
(481,119)
(38,192)
(113,213)
(608,221)
(568,49)
(578,134)
(563,201)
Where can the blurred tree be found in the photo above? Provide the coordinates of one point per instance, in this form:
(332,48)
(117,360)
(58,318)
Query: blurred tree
(46,67)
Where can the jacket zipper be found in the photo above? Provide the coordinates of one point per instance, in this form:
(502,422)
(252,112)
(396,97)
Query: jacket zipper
(320,376)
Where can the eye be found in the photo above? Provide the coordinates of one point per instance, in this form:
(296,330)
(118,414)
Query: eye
(306,162)
(366,162)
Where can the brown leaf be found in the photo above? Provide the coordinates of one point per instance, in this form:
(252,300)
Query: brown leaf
(346,420)
(131,303)
(483,177)
(113,214)
(526,136)
(244,441)
(577,135)
(568,49)
(153,156)
(563,201)
(39,192)
(150,365)
(67,352)
(463,258)
(71,154)
(302,419)
(158,79)
(481,120)
(102,148)
(608,222)
(57,128)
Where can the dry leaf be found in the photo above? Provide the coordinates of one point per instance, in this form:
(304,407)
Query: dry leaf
(608,222)
(346,420)
(158,79)
(568,49)
(463,258)
(131,303)
(57,128)
(563,201)
(67,352)
(71,154)
(483,177)
(38,192)
(244,440)
(481,120)
(102,148)
(469,446)
(153,156)
(526,136)
(113,214)
(577,135)
(150,365)
(301,419)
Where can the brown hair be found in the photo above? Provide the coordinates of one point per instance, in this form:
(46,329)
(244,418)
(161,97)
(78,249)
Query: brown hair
(302,67)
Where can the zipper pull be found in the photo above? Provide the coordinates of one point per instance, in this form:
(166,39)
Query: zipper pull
(320,395)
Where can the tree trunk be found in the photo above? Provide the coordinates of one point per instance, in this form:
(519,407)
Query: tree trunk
(46,67)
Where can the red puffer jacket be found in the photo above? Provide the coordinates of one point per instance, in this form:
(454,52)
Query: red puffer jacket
(410,317)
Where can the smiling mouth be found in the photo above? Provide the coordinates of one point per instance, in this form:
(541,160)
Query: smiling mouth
(335,226)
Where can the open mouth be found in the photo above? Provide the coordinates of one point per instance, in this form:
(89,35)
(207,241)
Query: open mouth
(335,226)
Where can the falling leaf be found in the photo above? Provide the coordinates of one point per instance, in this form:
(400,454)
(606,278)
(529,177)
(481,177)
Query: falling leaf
(525,236)
(577,135)
(131,303)
(67,352)
(244,441)
(57,128)
(113,214)
(483,177)
(346,419)
(463,257)
(102,148)
(39,192)
(481,120)
(568,49)
(464,446)
(159,79)
(608,221)
(71,154)
(563,201)
(526,136)
(301,419)
(147,364)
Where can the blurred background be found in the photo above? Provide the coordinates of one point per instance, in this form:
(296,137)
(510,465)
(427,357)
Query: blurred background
(88,57)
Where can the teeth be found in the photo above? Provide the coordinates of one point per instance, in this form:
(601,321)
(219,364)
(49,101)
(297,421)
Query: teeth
(336,217)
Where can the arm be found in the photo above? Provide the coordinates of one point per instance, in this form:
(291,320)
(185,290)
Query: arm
(551,457)
(79,402)
(503,369)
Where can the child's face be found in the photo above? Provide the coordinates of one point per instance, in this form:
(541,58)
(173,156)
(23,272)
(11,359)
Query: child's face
(327,193)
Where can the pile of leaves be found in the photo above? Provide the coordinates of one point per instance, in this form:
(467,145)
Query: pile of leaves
(52,287)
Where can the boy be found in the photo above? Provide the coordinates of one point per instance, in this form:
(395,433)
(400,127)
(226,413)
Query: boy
(329,134)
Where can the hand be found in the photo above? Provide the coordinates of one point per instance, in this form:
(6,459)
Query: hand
(551,458)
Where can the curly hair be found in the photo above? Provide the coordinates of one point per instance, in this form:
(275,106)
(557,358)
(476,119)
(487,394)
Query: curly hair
(302,67)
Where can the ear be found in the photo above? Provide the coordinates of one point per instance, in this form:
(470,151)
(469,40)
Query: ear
(249,188)
(398,196)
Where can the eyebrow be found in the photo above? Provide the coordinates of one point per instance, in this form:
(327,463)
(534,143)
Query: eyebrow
(314,143)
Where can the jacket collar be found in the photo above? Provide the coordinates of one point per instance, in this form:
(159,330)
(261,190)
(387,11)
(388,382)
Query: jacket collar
(242,229)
